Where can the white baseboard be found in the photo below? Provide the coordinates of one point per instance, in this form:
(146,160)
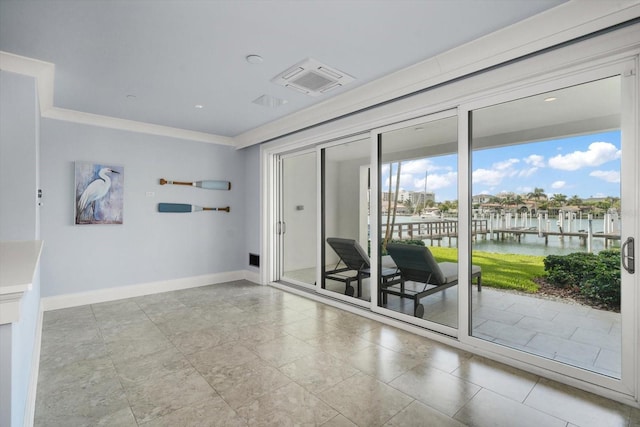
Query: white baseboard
(122,292)
(253,276)
(30,407)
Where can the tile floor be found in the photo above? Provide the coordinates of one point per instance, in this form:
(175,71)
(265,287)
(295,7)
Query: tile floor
(238,354)
(570,333)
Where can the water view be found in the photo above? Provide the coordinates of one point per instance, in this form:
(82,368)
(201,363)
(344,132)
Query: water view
(529,244)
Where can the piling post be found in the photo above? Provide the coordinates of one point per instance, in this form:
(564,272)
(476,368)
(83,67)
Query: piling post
(539,225)
(491,226)
(589,233)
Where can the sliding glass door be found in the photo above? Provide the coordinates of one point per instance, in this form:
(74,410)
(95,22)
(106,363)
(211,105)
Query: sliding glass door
(345,178)
(509,222)
(298,217)
(553,181)
(418,221)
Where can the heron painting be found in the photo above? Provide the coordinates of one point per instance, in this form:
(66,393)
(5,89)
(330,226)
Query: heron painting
(99,193)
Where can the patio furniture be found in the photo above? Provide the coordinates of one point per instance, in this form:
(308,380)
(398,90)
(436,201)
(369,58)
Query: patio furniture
(417,264)
(354,259)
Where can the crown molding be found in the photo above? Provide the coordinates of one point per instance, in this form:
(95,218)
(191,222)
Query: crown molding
(44,74)
(564,23)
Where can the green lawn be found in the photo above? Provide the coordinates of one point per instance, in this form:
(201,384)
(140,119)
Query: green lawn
(506,271)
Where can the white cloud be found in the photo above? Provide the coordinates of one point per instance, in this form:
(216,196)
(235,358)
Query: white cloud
(558,185)
(505,164)
(535,160)
(597,154)
(436,181)
(416,166)
(527,172)
(496,174)
(488,176)
(420,166)
(406,180)
(609,176)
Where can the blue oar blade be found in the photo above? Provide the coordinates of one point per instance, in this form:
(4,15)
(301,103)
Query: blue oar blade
(174,207)
(214,185)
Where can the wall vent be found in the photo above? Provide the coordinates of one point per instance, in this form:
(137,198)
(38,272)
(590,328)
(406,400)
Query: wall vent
(313,78)
(254,260)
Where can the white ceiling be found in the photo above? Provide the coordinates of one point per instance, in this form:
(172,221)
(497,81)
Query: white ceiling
(153,61)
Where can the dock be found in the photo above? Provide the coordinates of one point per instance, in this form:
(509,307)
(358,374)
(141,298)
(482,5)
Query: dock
(502,227)
(517,233)
(435,230)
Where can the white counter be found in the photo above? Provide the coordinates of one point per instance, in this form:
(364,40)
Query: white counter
(18,264)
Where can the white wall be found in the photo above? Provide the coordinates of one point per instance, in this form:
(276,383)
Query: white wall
(300,189)
(251,211)
(18,169)
(19,144)
(149,246)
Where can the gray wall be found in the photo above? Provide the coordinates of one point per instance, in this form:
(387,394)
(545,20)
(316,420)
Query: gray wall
(252,212)
(18,167)
(149,246)
(19,130)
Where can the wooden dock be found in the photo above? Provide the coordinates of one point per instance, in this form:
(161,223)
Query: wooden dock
(517,233)
(436,231)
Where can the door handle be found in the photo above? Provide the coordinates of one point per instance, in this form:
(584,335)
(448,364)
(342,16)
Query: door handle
(628,254)
(284,227)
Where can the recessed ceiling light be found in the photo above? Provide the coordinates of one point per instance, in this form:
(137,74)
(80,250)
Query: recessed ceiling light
(550,99)
(198,106)
(254,59)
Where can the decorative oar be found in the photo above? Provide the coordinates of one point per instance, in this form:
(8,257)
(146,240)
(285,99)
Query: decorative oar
(209,185)
(184,207)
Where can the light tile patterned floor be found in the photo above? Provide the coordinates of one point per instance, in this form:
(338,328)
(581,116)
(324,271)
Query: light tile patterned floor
(238,354)
(561,330)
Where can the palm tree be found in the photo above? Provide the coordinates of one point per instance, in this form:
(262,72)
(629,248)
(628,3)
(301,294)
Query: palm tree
(537,194)
(559,199)
(575,200)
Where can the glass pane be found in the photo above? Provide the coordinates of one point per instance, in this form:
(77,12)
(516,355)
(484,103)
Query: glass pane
(299,214)
(345,206)
(546,182)
(419,221)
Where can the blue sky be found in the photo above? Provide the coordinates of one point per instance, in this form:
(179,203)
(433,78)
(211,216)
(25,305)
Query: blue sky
(587,166)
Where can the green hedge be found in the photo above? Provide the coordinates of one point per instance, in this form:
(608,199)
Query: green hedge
(597,276)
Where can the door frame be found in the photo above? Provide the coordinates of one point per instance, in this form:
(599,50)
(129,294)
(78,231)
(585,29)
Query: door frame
(630,194)
(321,216)
(375,219)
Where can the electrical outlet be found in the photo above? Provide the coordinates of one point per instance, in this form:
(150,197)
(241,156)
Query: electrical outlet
(151,194)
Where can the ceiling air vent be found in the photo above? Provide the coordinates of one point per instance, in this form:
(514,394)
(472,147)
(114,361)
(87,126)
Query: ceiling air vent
(312,77)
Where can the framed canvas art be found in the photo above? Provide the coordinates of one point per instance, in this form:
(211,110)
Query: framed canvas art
(99,193)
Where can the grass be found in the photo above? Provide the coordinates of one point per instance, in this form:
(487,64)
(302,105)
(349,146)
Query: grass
(505,271)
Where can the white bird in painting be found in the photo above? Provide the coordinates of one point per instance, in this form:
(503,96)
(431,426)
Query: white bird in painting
(96,190)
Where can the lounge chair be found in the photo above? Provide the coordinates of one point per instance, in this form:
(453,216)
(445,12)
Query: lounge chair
(353,259)
(417,264)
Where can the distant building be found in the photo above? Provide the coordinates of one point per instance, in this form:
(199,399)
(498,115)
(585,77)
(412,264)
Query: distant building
(416,196)
(481,198)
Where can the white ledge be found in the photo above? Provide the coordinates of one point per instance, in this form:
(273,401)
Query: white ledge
(18,263)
